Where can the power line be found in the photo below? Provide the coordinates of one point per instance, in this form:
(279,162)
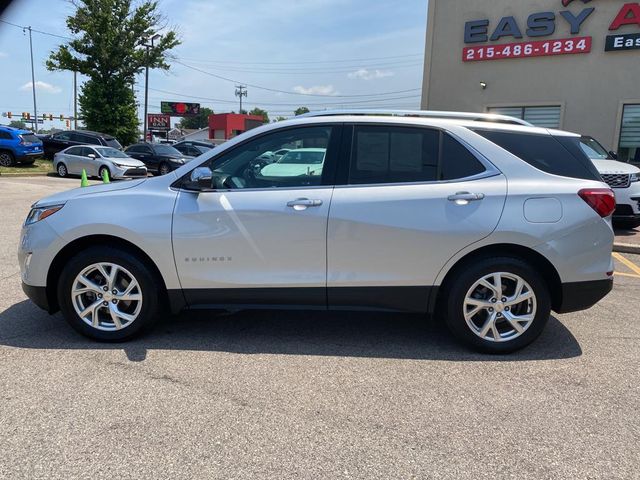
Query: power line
(259,87)
(36,31)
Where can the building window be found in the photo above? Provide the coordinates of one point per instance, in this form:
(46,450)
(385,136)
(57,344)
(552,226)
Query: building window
(629,147)
(547,117)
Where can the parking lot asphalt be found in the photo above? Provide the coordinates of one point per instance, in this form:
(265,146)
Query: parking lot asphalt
(310,395)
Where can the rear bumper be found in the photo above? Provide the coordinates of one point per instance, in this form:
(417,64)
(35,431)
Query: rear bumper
(37,295)
(22,157)
(578,296)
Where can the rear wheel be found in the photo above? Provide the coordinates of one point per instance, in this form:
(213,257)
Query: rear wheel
(62,170)
(7,159)
(626,224)
(108,294)
(164,168)
(498,305)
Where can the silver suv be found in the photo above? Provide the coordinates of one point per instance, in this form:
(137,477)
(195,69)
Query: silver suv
(487,223)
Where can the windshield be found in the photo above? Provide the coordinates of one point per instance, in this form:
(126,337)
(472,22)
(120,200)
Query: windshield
(112,142)
(593,149)
(202,149)
(303,157)
(111,152)
(161,149)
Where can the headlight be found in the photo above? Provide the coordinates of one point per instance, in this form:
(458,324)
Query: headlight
(634,177)
(40,213)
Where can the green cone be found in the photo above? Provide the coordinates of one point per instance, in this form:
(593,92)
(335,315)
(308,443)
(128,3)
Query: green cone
(105,176)
(83,180)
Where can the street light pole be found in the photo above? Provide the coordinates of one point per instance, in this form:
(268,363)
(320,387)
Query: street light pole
(146,83)
(75,100)
(33,83)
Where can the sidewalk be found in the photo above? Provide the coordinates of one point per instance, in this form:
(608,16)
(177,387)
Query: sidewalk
(627,241)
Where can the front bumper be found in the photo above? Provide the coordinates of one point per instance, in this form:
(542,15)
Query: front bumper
(37,295)
(578,296)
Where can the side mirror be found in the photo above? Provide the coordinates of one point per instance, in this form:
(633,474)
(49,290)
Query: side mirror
(92,155)
(613,154)
(200,179)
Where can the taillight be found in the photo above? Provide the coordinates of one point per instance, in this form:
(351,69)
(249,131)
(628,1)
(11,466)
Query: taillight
(602,200)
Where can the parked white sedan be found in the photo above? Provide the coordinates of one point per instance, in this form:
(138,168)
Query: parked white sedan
(95,160)
(302,161)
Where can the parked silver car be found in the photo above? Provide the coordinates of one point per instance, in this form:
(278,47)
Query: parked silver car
(484,222)
(95,160)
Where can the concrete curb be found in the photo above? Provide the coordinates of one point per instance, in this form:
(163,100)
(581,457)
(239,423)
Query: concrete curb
(31,174)
(626,248)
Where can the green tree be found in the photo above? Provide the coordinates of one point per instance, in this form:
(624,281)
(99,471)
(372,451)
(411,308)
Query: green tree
(263,113)
(301,110)
(198,121)
(109,48)
(18,124)
(279,119)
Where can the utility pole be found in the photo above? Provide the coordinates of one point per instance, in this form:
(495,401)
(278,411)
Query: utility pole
(241,91)
(75,100)
(146,83)
(33,83)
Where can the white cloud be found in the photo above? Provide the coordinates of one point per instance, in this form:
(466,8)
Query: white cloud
(41,86)
(316,90)
(365,74)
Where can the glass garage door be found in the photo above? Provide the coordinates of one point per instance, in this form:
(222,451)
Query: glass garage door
(629,147)
(547,117)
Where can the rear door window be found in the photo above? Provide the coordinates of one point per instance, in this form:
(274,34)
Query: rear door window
(390,154)
(74,151)
(558,155)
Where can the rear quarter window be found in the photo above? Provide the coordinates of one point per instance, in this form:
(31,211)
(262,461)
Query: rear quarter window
(557,155)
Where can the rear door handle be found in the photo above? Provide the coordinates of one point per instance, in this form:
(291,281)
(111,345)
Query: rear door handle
(303,203)
(463,198)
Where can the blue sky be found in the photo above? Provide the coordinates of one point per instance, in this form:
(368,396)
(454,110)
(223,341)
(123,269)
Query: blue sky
(333,48)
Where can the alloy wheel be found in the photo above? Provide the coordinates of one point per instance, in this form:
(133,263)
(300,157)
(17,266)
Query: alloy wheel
(5,159)
(62,170)
(106,296)
(500,307)
(164,169)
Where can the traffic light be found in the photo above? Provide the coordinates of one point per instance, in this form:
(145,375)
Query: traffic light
(61,117)
(68,123)
(28,115)
(50,116)
(24,115)
(9,115)
(44,116)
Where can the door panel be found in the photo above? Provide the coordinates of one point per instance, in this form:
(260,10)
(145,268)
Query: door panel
(402,235)
(252,240)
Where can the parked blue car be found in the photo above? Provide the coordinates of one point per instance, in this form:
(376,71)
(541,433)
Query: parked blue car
(18,146)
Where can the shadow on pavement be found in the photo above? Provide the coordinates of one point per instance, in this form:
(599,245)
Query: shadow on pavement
(343,334)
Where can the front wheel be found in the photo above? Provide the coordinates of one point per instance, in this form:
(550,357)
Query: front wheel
(164,168)
(498,305)
(108,294)
(101,172)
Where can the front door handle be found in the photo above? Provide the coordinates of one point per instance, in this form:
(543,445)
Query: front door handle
(463,198)
(303,203)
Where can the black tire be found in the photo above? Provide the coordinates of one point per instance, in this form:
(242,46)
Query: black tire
(147,281)
(62,170)
(30,161)
(164,168)
(457,289)
(7,159)
(626,224)
(102,169)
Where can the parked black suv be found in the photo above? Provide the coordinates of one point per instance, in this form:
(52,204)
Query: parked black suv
(158,157)
(61,140)
(193,148)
